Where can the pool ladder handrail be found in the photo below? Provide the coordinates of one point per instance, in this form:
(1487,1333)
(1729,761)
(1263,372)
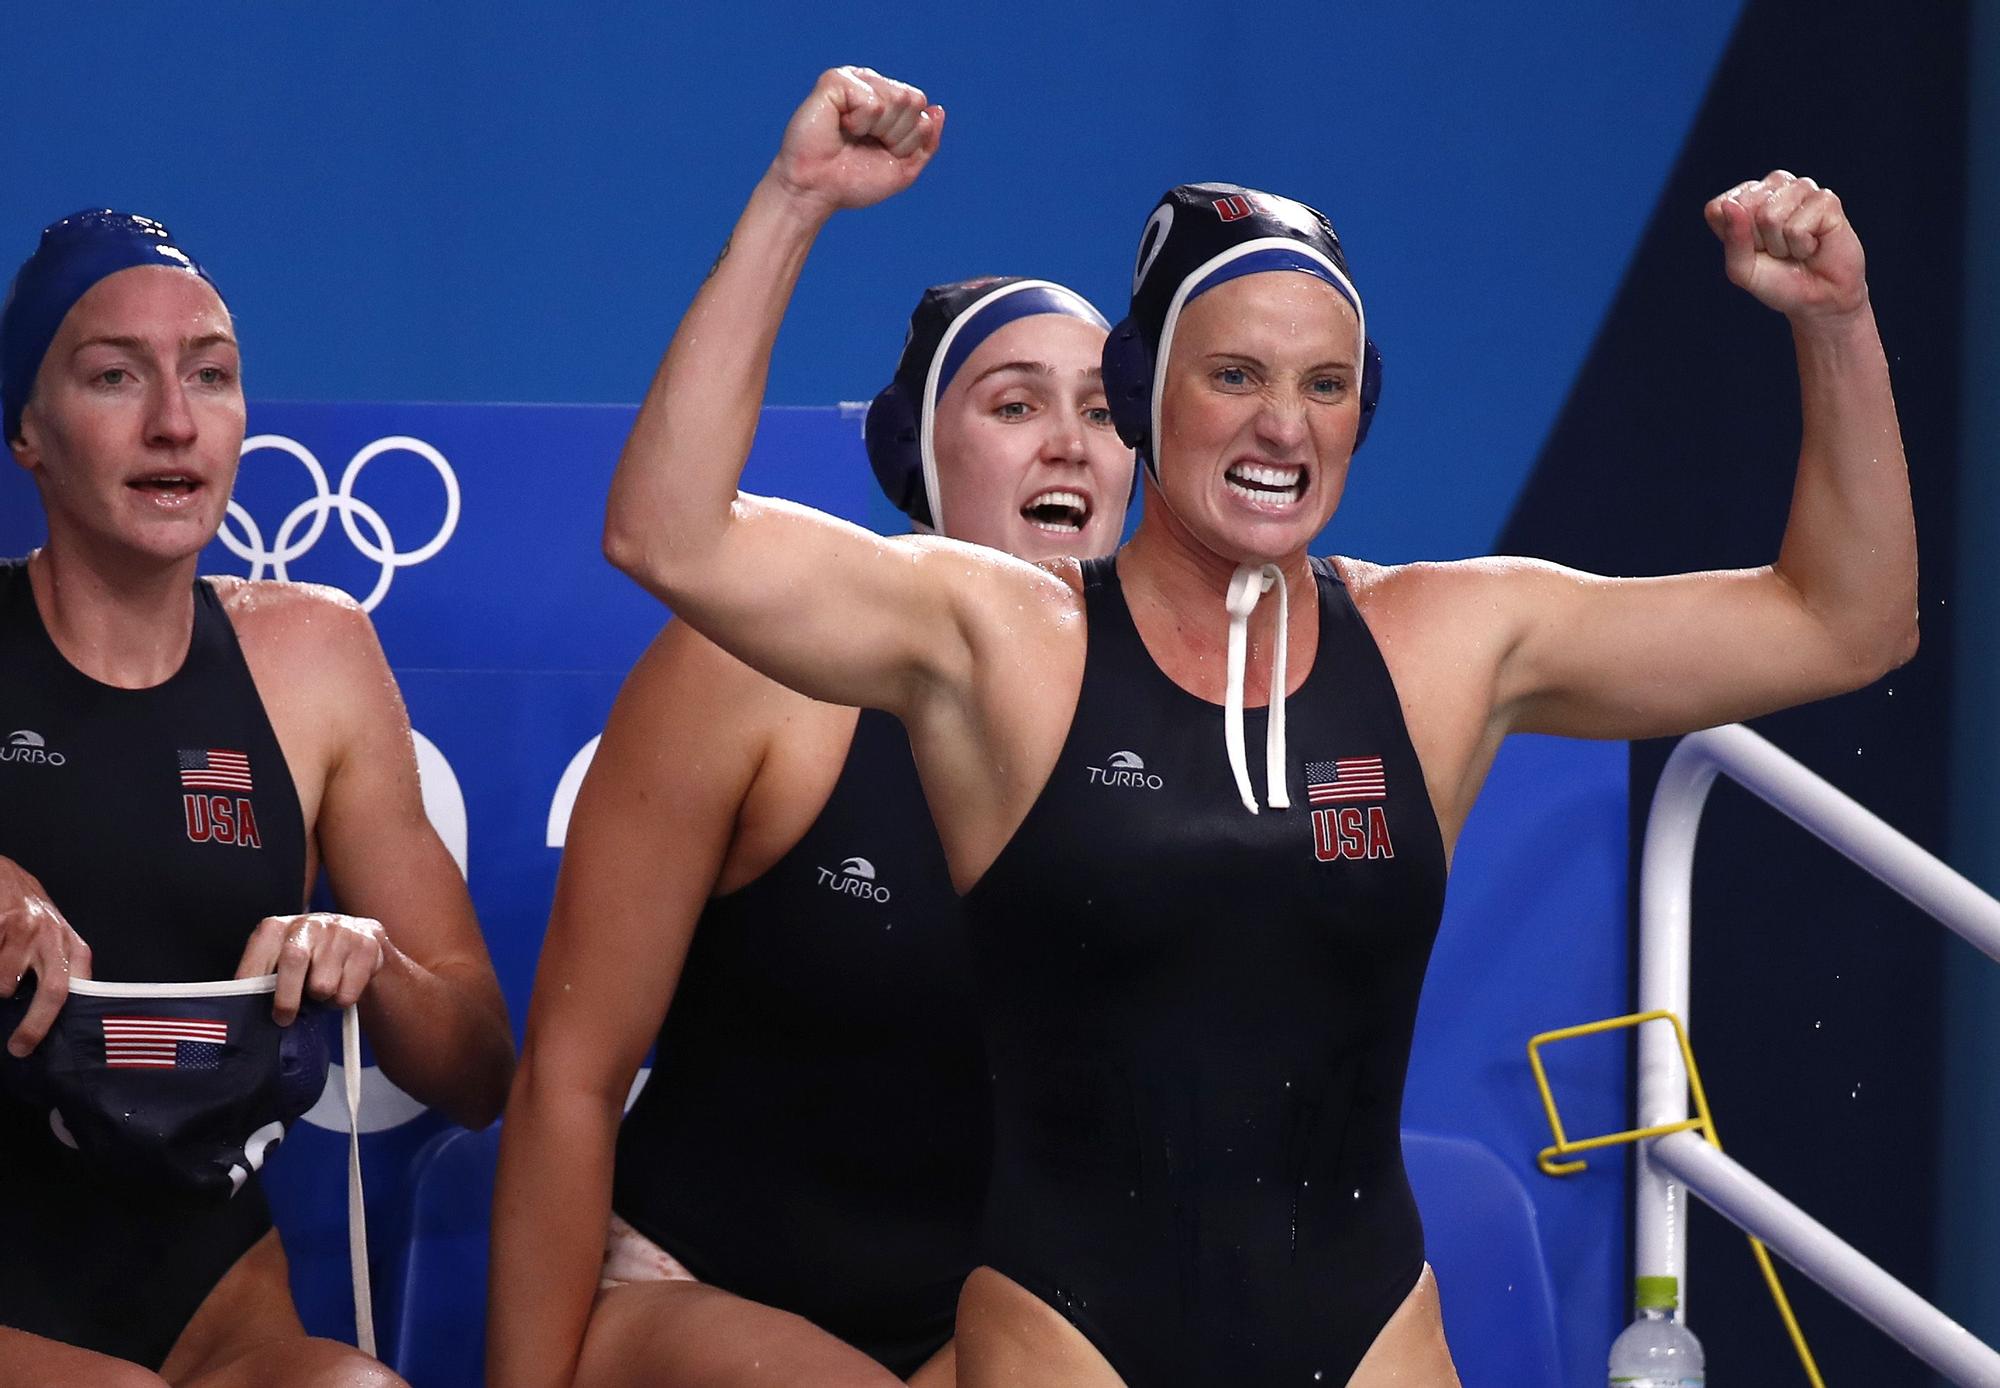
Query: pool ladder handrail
(1683,1161)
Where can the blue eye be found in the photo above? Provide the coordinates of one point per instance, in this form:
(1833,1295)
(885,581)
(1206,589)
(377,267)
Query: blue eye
(1098,415)
(1012,409)
(1329,385)
(115,376)
(1232,376)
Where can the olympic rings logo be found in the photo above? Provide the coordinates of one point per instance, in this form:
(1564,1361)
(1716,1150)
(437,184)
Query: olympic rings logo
(310,515)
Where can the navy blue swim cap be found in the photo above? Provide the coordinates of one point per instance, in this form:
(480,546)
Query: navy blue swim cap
(1202,235)
(74,254)
(949,323)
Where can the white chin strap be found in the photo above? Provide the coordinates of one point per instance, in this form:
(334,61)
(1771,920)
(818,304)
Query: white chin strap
(1249,583)
(357,1212)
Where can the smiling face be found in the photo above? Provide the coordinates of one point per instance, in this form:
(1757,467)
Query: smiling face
(135,423)
(1028,460)
(1258,413)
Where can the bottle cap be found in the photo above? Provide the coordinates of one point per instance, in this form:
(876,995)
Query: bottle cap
(1657,1294)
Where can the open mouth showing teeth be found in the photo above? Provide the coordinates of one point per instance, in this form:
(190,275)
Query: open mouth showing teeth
(1266,482)
(1063,513)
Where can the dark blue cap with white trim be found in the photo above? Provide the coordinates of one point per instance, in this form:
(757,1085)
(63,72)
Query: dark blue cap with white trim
(1201,235)
(74,254)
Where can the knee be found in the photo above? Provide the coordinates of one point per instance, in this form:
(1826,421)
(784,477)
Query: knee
(330,1364)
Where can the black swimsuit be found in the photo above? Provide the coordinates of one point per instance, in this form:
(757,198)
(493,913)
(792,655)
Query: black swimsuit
(815,1131)
(130,807)
(1198,1020)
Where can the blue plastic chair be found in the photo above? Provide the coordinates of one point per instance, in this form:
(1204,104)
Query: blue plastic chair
(1482,1240)
(439,1338)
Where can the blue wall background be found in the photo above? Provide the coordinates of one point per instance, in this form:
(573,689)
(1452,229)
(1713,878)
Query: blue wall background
(490,203)
(514,202)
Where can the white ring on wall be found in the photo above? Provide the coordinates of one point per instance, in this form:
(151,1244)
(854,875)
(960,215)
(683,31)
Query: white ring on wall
(444,800)
(566,789)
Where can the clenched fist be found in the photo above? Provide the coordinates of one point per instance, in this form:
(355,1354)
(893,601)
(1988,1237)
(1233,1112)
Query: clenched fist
(1788,242)
(858,138)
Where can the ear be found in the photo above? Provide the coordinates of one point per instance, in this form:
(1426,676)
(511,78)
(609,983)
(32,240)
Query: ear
(27,448)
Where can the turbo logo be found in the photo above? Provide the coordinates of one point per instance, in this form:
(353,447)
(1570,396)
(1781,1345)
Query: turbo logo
(246,541)
(1125,769)
(855,878)
(27,745)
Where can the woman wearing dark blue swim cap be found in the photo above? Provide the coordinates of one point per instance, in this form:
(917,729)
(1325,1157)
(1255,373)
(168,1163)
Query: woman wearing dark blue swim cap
(1198,967)
(751,882)
(206,746)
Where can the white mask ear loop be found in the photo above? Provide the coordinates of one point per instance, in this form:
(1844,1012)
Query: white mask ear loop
(357,1213)
(1249,583)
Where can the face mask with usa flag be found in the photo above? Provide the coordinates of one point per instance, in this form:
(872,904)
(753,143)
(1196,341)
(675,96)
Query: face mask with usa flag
(186,1084)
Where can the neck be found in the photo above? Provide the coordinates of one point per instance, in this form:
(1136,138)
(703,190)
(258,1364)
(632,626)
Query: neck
(1178,589)
(122,621)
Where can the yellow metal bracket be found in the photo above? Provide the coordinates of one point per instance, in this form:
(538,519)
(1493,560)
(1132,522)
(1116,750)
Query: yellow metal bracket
(1549,1158)
(1701,1122)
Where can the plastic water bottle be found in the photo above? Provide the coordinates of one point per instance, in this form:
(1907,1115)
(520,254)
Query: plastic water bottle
(1655,1351)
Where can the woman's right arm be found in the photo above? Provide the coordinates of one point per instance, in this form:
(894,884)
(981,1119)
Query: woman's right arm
(825,607)
(650,830)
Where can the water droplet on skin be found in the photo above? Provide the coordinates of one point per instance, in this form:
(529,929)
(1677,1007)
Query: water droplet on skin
(1357,1193)
(1815,1026)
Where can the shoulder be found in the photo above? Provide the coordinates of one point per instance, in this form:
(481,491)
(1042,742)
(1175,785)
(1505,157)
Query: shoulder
(1459,607)
(292,619)
(1001,597)
(1430,584)
(304,636)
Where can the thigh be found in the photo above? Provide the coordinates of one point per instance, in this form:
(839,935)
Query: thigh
(32,1361)
(1008,1336)
(690,1335)
(247,1334)
(940,1370)
(1409,1351)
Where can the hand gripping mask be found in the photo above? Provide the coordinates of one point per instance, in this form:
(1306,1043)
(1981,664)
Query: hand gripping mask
(1199,236)
(187,1085)
(74,254)
(949,323)
(183,1084)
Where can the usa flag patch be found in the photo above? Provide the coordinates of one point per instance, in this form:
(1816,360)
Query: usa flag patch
(163,1043)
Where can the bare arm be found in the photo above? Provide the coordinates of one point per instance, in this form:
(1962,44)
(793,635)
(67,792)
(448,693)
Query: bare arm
(823,606)
(647,841)
(408,948)
(1600,657)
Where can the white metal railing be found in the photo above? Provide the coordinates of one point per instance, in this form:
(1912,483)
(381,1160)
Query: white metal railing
(1671,1167)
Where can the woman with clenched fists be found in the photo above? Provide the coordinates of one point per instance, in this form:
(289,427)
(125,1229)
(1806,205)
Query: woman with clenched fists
(1198,967)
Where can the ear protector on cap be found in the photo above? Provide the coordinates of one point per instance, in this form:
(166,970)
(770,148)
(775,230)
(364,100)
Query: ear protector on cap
(1199,236)
(949,323)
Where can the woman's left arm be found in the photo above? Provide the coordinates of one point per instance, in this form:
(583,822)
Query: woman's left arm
(1601,657)
(407,945)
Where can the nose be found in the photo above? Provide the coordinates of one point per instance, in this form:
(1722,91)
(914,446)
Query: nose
(1281,423)
(169,421)
(1063,441)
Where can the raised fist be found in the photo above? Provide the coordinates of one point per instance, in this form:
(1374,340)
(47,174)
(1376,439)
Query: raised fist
(858,138)
(1787,241)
